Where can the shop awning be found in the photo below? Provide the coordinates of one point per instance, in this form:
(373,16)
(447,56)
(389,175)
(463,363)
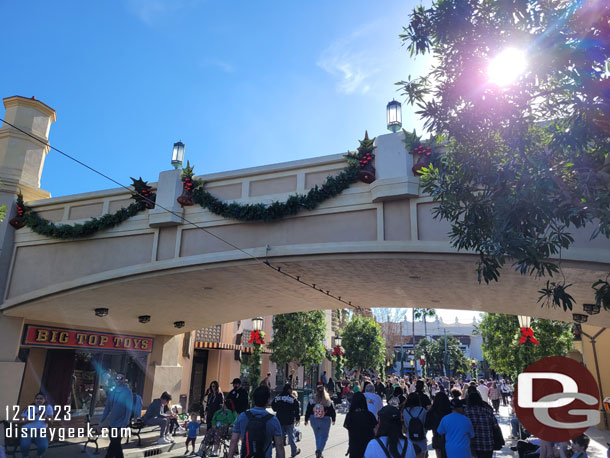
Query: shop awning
(225,346)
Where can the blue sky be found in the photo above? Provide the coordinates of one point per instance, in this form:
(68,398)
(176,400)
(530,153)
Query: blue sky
(240,83)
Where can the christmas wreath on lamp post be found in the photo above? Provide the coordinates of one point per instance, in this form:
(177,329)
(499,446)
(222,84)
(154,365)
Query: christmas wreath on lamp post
(257,339)
(338,355)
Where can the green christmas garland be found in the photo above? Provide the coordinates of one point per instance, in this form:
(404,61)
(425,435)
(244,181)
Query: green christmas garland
(333,186)
(194,192)
(143,197)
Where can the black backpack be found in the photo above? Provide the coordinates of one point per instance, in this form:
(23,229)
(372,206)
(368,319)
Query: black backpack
(416,427)
(253,444)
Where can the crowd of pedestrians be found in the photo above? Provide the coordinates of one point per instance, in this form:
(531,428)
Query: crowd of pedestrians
(460,415)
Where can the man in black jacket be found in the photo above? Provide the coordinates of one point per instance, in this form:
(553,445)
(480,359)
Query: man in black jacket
(380,388)
(288,413)
(239,396)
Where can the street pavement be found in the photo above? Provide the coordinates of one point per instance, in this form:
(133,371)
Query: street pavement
(336,446)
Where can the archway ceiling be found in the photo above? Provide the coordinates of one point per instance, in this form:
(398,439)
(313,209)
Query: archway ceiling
(243,290)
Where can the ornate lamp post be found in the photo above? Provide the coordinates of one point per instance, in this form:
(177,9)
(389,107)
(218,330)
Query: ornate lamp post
(527,335)
(422,363)
(338,353)
(394,116)
(257,337)
(178,155)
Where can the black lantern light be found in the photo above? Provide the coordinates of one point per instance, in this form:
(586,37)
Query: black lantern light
(178,324)
(591,309)
(101,312)
(338,340)
(178,155)
(144,318)
(579,318)
(394,116)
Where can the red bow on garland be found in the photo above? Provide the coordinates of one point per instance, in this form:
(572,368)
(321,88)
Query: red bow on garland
(527,333)
(257,337)
(337,351)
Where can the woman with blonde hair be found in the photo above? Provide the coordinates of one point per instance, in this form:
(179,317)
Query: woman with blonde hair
(321,412)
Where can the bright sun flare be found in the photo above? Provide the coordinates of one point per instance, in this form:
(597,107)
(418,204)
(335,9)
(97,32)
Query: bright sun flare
(506,67)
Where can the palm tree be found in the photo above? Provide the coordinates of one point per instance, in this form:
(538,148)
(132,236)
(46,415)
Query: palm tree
(424,313)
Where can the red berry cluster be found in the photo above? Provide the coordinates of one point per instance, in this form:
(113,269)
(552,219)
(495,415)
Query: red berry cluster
(365,159)
(20,210)
(146,192)
(422,150)
(188,184)
(256,337)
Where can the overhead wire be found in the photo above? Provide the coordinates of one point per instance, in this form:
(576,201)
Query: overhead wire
(266,262)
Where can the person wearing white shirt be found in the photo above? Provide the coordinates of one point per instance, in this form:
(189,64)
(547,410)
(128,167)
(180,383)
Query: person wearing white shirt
(482,388)
(390,441)
(373,400)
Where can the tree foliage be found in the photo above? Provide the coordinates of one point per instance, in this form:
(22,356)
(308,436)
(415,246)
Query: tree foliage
(298,338)
(516,168)
(436,358)
(364,346)
(500,342)
(424,314)
(390,320)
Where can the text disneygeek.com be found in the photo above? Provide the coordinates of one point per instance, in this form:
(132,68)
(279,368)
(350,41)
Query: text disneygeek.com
(63,433)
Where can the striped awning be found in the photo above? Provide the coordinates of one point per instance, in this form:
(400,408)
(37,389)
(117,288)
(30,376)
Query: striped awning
(225,346)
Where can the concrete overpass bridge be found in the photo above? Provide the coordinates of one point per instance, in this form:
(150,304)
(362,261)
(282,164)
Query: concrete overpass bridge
(374,245)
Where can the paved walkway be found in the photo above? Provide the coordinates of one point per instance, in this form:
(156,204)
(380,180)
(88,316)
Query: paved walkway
(335,448)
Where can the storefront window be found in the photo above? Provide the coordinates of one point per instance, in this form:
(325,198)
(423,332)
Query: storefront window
(83,383)
(93,377)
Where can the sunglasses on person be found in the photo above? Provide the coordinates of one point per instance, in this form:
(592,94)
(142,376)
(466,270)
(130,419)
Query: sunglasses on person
(119,378)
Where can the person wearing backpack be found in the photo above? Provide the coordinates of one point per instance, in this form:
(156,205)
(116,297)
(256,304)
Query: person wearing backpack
(414,416)
(321,412)
(288,413)
(390,442)
(258,429)
(360,424)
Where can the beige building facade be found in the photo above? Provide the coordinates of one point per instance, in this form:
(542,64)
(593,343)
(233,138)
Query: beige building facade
(374,245)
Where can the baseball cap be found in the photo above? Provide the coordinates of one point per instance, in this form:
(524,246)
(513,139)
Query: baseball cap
(236,380)
(389,414)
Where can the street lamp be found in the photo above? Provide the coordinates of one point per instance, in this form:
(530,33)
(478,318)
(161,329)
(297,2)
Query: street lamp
(422,362)
(257,339)
(338,353)
(524,321)
(394,116)
(257,323)
(178,155)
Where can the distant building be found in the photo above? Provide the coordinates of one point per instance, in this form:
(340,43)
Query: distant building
(470,341)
